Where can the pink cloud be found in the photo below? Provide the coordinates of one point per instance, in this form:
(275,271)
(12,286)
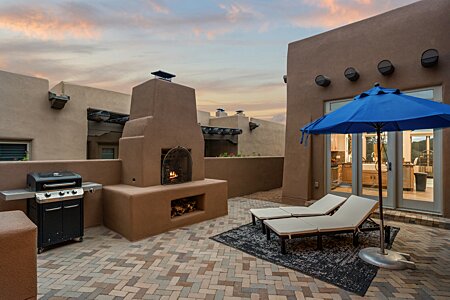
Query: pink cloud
(47,25)
(333,13)
(158,7)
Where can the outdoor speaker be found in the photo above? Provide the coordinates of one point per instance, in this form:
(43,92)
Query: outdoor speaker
(351,74)
(322,80)
(429,58)
(385,67)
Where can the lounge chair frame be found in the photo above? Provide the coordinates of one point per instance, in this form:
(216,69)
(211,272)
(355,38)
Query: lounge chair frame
(263,226)
(283,238)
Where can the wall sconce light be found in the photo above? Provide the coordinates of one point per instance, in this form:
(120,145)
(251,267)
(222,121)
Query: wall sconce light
(57,102)
(429,58)
(322,80)
(351,74)
(285,78)
(253,125)
(385,67)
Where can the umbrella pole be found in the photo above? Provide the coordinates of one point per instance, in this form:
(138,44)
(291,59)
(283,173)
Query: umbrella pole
(380,256)
(380,191)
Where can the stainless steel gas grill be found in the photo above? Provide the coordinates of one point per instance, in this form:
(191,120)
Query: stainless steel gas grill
(57,208)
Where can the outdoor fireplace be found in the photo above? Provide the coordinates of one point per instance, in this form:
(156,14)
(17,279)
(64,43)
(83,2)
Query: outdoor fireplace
(183,206)
(163,182)
(176,166)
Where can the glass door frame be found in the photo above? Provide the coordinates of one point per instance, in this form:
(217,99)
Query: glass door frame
(394,197)
(436,205)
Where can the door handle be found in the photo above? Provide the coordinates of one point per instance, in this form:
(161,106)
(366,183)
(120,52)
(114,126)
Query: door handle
(53,209)
(72,206)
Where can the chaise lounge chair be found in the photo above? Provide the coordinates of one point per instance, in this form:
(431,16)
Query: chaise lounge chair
(324,206)
(347,219)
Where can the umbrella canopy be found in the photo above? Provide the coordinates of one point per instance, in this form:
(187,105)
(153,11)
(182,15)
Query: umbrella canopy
(387,109)
(376,110)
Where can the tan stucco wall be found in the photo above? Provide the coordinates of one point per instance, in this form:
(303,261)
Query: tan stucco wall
(26,115)
(266,140)
(246,175)
(203,117)
(401,36)
(54,134)
(13,175)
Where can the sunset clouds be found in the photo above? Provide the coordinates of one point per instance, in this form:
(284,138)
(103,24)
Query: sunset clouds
(232,52)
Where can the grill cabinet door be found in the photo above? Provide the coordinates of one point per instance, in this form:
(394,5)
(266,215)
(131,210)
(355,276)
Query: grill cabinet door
(72,219)
(52,229)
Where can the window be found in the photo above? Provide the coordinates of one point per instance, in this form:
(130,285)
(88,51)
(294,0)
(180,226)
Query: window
(14,151)
(108,152)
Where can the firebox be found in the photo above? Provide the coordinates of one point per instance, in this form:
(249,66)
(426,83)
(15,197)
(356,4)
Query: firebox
(176,165)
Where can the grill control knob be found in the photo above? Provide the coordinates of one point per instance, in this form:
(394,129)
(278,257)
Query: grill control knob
(47,194)
(61,193)
(74,192)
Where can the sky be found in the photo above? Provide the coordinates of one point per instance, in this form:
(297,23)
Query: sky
(232,52)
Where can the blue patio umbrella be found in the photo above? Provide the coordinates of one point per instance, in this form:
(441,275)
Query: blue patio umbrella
(378,110)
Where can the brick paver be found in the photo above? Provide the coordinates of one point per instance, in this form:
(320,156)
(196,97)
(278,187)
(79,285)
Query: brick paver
(186,264)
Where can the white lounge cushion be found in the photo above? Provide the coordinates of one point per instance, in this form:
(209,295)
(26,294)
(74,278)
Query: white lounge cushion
(355,210)
(290,226)
(269,213)
(301,211)
(328,203)
(323,206)
(328,223)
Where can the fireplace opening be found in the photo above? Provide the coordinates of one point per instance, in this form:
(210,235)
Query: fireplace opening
(176,165)
(183,206)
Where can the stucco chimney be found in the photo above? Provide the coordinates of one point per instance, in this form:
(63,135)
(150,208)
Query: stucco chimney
(220,112)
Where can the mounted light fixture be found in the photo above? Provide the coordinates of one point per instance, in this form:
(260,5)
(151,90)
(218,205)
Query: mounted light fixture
(351,74)
(322,80)
(385,67)
(253,125)
(57,102)
(285,78)
(429,58)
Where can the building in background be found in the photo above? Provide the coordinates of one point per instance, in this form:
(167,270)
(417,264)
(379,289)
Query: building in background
(258,138)
(75,122)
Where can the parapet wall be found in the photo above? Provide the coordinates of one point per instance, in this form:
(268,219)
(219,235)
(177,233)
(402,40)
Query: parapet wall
(13,175)
(245,175)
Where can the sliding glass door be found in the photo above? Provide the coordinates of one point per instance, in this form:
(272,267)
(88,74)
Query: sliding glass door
(410,163)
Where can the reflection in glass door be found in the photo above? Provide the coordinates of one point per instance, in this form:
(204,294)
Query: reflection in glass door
(341,163)
(369,161)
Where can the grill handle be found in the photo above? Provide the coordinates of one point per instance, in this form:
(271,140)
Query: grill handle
(72,206)
(57,185)
(53,209)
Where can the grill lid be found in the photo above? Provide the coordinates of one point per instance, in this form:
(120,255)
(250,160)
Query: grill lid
(53,180)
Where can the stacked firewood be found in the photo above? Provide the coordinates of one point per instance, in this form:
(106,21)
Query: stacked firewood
(183,206)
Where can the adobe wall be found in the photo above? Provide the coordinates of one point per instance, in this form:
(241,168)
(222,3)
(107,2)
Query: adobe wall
(401,36)
(246,175)
(26,115)
(13,175)
(266,140)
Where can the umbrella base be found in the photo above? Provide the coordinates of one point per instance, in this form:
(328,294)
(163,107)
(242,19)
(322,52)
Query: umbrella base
(391,260)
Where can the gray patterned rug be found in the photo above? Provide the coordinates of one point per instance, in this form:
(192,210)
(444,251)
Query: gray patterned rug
(338,263)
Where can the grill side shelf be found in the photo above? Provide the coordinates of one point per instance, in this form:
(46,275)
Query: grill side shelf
(16,194)
(19,194)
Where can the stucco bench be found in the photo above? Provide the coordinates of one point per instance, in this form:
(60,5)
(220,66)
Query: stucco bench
(18,267)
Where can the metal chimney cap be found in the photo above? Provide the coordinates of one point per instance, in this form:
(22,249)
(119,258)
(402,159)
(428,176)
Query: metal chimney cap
(163,75)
